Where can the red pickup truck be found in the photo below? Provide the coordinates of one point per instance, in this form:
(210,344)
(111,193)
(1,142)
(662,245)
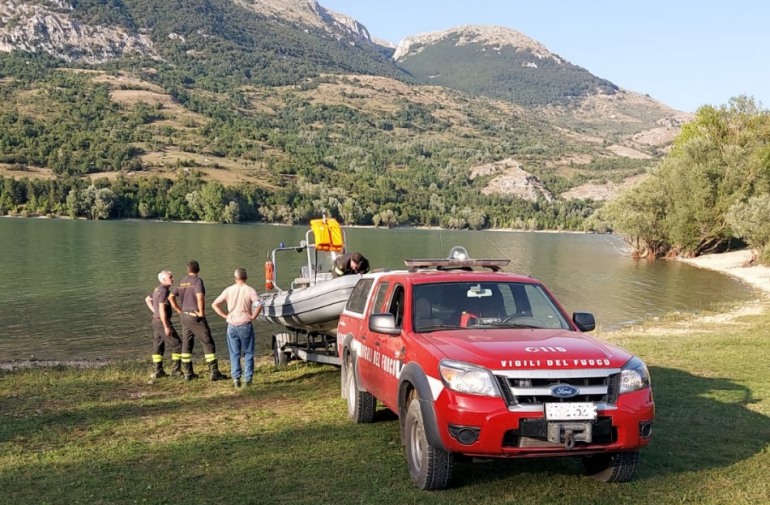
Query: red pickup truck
(477,362)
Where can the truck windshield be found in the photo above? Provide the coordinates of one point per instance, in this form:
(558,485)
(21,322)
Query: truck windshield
(488,304)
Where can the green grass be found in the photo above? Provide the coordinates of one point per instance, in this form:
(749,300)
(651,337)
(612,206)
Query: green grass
(105,435)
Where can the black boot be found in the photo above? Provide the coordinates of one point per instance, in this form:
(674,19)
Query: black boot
(216,375)
(189,374)
(176,368)
(159,372)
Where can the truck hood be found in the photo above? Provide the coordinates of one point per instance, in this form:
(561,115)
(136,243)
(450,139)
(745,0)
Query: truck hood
(527,349)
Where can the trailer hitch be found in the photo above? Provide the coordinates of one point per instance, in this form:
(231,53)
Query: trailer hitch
(569,440)
(568,434)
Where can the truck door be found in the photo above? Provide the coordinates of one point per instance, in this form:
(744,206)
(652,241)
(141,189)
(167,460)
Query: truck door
(367,351)
(353,317)
(386,365)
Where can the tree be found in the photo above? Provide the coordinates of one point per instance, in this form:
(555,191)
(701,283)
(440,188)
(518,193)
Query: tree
(749,221)
(387,218)
(74,203)
(231,213)
(98,202)
(639,215)
(720,158)
(476,219)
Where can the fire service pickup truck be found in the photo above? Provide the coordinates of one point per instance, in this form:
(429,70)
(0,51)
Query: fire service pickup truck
(481,363)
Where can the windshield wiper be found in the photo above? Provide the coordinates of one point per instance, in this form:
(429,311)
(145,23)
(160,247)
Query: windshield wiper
(433,327)
(514,324)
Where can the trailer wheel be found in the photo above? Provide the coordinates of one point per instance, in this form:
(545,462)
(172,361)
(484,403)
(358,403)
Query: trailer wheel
(614,467)
(429,467)
(280,357)
(361,404)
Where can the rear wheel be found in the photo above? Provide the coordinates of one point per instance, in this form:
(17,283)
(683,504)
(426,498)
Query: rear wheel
(361,404)
(615,467)
(429,468)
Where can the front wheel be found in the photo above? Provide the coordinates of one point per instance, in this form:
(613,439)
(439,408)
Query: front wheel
(615,467)
(429,467)
(361,404)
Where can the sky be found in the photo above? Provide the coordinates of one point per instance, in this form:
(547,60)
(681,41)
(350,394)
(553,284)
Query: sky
(684,53)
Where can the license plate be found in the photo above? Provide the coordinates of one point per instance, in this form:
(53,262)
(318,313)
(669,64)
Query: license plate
(583,411)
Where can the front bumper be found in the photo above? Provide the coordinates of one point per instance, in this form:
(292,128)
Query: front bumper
(486,427)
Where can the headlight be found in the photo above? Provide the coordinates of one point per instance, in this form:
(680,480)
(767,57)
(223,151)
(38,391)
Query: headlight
(465,378)
(634,376)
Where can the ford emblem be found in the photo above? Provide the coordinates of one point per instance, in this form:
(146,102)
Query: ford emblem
(564,391)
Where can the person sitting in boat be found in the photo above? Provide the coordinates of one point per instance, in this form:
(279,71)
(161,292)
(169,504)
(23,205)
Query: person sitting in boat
(350,263)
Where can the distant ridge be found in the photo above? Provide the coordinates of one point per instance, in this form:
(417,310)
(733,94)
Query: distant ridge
(497,62)
(476,34)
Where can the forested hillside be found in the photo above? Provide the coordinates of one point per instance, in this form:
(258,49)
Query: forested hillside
(232,115)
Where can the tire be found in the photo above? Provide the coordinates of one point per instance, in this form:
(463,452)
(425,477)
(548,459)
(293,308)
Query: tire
(429,468)
(361,404)
(280,358)
(615,467)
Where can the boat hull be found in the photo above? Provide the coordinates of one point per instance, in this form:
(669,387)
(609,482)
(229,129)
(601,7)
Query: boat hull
(311,309)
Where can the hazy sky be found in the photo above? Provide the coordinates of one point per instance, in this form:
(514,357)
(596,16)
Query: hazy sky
(684,53)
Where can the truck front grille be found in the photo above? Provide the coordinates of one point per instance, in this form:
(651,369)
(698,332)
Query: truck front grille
(533,388)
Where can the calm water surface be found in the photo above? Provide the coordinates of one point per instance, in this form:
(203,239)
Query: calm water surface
(75,289)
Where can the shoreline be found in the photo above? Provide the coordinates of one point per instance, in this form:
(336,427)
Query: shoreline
(735,264)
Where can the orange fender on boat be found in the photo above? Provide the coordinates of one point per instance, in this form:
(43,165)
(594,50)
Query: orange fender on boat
(269,272)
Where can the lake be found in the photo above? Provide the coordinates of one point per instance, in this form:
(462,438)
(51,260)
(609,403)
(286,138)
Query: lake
(74,289)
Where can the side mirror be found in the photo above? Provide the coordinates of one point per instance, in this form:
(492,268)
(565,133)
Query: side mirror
(383,323)
(584,320)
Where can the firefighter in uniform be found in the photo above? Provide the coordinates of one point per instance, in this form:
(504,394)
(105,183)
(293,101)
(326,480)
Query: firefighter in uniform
(188,299)
(162,327)
(350,263)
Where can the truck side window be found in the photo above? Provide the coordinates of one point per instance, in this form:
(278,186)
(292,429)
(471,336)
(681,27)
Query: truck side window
(397,305)
(379,298)
(357,301)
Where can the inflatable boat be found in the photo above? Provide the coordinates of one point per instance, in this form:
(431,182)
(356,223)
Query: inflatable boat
(313,302)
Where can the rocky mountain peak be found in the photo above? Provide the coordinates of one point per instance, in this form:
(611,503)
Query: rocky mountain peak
(50,29)
(496,36)
(310,13)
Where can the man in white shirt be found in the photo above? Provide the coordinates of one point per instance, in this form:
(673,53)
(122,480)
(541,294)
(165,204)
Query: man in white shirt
(242,307)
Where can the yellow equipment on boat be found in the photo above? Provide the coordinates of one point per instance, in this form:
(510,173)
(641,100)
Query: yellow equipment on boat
(327,235)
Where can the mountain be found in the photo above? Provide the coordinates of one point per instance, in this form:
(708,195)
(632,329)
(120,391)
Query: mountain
(262,42)
(305,104)
(497,62)
(504,64)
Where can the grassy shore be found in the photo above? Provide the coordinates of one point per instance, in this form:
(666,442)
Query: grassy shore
(104,435)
